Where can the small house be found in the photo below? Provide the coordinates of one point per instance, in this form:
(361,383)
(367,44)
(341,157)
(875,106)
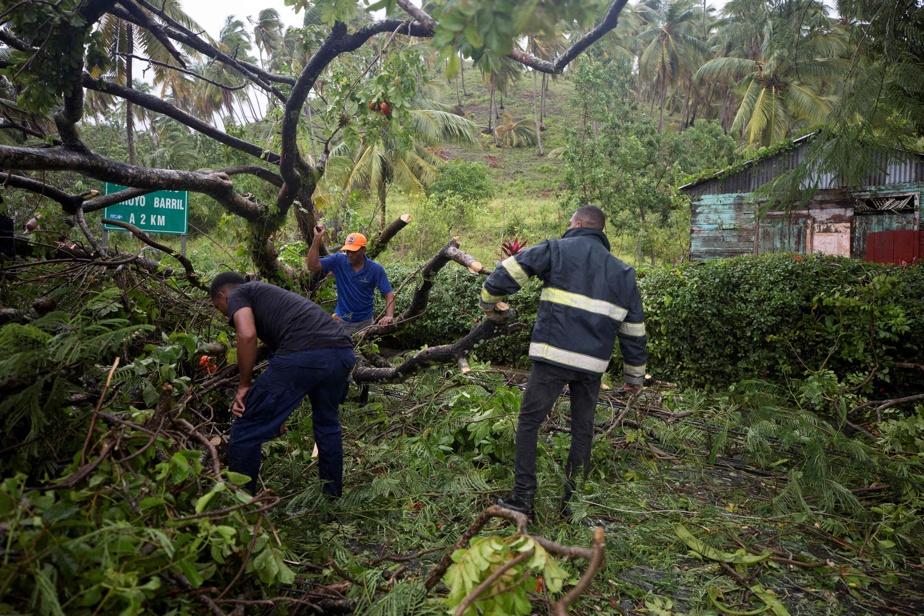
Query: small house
(880,222)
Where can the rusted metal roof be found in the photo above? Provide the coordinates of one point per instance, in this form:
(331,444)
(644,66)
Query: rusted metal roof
(757,172)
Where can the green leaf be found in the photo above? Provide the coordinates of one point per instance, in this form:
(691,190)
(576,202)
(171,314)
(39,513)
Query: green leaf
(190,572)
(740,557)
(203,501)
(473,37)
(770,599)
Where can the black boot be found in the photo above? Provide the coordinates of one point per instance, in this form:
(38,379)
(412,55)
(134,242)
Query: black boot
(564,510)
(518,501)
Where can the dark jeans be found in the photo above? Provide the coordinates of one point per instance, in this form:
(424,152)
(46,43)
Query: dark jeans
(543,388)
(320,374)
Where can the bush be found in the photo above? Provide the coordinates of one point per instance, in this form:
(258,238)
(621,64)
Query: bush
(718,322)
(715,323)
(461,177)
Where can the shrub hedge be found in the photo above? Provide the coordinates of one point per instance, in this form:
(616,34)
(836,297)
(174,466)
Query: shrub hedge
(718,322)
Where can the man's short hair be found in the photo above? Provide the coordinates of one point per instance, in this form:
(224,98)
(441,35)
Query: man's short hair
(224,279)
(591,216)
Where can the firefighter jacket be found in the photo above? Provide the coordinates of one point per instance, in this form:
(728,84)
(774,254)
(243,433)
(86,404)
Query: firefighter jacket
(589,299)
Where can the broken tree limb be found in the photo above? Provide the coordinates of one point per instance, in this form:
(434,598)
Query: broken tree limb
(495,575)
(447,353)
(144,237)
(381,242)
(466,260)
(595,557)
(494,511)
(595,561)
(449,252)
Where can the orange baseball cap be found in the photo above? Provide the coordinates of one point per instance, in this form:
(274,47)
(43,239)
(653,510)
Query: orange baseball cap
(354,241)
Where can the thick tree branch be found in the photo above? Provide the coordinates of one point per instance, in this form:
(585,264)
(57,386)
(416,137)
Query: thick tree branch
(144,20)
(69,203)
(379,244)
(182,34)
(419,14)
(158,105)
(558,65)
(447,353)
(216,185)
(336,44)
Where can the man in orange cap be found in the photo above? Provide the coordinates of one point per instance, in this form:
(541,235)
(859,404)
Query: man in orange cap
(357,279)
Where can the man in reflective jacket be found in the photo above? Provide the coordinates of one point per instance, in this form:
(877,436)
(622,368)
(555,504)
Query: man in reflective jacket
(589,300)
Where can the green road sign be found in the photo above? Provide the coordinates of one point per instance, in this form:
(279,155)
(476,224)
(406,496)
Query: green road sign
(163,211)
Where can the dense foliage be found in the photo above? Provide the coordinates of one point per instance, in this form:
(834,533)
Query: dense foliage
(780,316)
(714,323)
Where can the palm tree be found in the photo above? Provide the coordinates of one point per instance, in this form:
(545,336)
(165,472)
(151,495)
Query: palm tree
(268,33)
(672,47)
(375,164)
(783,75)
(122,39)
(228,88)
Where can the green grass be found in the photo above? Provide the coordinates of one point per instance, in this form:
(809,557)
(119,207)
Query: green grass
(419,470)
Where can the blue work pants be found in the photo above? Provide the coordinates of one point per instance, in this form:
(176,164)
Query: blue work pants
(321,374)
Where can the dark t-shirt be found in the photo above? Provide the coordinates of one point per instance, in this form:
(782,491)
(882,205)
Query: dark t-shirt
(287,322)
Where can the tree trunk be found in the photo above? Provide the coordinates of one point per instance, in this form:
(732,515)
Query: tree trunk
(383,195)
(129,110)
(686,106)
(661,116)
(536,115)
(544,91)
(462,74)
(491,112)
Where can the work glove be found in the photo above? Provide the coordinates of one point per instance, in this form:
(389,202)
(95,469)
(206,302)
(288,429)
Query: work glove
(499,312)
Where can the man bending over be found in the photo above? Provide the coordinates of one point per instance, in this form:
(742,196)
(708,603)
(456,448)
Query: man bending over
(312,356)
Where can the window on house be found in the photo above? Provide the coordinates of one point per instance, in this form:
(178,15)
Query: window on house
(889,204)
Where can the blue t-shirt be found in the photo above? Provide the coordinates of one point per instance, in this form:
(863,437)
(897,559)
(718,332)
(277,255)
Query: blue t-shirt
(356,290)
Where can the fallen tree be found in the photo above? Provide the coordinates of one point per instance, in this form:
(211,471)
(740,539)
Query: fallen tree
(58,60)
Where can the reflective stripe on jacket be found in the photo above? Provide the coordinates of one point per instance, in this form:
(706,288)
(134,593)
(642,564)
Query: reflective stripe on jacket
(589,300)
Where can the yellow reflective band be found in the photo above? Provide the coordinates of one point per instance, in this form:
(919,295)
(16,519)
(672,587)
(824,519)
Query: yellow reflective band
(516,272)
(488,298)
(576,300)
(632,329)
(540,350)
(638,371)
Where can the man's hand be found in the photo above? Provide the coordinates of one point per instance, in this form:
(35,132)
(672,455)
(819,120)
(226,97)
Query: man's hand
(237,407)
(386,320)
(319,230)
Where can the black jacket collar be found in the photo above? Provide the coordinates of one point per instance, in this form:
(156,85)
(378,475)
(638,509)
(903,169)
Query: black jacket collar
(597,234)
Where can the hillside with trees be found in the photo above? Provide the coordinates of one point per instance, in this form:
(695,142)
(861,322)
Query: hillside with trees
(770,464)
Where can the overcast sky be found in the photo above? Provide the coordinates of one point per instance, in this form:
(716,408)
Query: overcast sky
(211,14)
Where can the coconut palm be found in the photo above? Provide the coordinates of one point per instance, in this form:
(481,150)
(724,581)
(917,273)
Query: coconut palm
(673,47)
(268,33)
(122,40)
(783,75)
(228,88)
